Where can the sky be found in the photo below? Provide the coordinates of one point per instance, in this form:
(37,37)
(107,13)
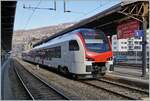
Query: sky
(36,18)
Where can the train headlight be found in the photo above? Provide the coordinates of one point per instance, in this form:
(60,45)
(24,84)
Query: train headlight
(89,59)
(109,59)
(88,68)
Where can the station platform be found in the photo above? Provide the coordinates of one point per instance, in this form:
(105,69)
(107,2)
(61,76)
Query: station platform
(129,71)
(129,74)
(6,87)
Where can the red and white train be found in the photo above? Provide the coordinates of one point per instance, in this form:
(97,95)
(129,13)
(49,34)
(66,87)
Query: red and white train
(83,52)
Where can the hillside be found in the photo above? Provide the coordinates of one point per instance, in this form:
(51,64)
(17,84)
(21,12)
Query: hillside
(22,39)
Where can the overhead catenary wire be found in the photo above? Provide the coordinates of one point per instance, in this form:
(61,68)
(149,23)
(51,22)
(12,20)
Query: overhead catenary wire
(28,20)
(77,12)
(71,11)
(42,8)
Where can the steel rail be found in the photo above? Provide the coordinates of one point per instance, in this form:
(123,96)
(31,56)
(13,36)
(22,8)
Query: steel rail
(123,85)
(27,90)
(54,89)
(111,91)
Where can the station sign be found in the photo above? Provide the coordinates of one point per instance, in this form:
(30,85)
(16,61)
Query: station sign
(126,29)
(139,33)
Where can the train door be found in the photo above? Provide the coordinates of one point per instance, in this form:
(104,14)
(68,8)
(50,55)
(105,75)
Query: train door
(42,56)
(73,56)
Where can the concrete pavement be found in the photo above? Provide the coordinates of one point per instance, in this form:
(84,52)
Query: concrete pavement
(6,90)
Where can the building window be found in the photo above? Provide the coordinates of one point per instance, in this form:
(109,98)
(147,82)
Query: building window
(115,38)
(147,53)
(130,42)
(137,47)
(73,45)
(147,47)
(137,37)
(130,47)
(136,42)
(114,43)
(140,42)
(115,47)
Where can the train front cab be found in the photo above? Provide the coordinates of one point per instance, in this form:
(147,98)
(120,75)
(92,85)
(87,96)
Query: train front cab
(97,54)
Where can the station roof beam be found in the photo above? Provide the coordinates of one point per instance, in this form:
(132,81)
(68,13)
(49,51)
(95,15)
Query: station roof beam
(8,9)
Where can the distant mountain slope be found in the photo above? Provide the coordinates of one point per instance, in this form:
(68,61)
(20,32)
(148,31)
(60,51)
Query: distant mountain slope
(22,38)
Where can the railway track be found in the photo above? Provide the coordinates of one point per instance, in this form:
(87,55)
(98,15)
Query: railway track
(36,88)
(26,89)
(125,86)
(125,74)
(118,89)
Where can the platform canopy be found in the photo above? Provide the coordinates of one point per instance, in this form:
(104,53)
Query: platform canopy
(109,18)
(8,9)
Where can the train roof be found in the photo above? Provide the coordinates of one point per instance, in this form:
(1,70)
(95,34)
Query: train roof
(46,43)
(59,39)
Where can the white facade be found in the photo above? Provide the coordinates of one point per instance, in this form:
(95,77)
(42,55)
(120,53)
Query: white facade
(135,44)
(130,44)
(119,45)
(133,52)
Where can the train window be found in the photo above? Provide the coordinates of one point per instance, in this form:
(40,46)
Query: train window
(54,52)
(73,45)
(45,56)
(95,40)
(49,53)
(58,52)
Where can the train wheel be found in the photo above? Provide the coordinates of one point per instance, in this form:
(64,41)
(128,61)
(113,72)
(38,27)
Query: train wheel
(65,70)
(102,74)
(75,76)
(59,68)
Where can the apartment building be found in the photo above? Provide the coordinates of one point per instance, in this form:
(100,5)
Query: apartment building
(130,44)
(130,49)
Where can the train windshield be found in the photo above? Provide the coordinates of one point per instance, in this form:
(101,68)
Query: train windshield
(95,41)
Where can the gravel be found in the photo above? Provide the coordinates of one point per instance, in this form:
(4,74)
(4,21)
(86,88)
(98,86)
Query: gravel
(121,90)
(72,88)
(37,88)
